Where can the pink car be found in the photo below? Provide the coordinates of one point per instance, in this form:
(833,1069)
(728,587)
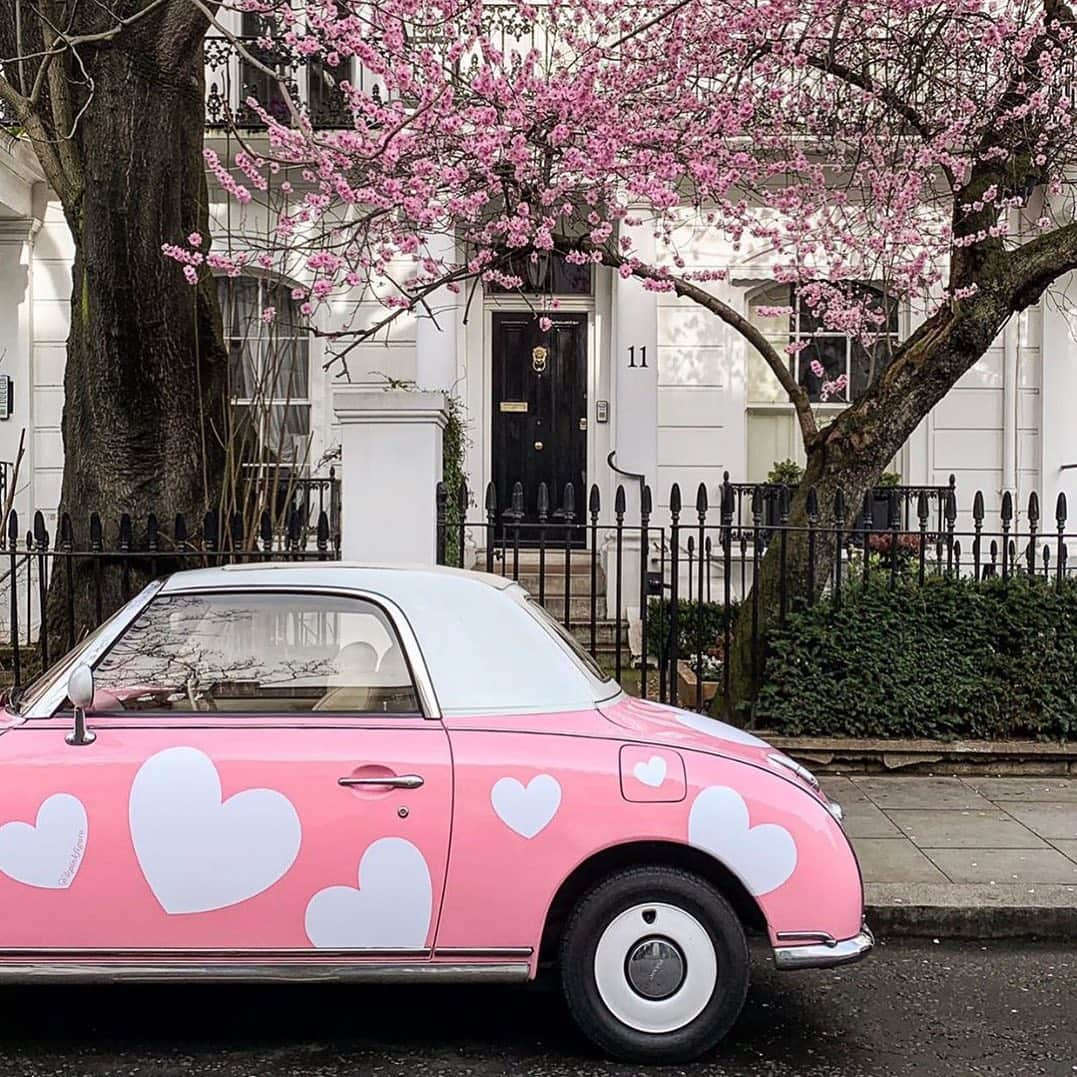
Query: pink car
(312,772)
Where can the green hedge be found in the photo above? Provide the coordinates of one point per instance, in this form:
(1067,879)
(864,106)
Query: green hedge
(953,658)
(700,626)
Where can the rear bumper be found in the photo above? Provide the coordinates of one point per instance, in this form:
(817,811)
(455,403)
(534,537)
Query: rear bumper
(824,955)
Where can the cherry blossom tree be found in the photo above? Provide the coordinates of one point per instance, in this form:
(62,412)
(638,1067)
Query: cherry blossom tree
(926,146)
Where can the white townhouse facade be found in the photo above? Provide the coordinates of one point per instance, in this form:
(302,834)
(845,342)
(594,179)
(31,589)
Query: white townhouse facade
(665,387)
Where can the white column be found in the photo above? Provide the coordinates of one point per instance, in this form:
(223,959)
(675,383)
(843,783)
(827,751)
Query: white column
(1010,374)
(635,388)
(391,444)
(435,333)
(16,343)
(634,342)
(1058,432)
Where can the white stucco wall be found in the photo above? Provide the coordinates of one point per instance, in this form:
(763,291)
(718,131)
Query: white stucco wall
(687,419)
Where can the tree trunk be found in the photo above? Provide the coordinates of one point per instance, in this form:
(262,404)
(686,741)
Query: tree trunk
(145,380)
(850,455)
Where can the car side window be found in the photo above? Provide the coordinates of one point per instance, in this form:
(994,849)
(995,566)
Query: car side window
(257,653)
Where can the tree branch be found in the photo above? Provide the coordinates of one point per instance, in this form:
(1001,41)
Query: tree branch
(1037,264)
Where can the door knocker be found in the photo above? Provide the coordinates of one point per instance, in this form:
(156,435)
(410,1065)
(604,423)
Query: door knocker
(538,359)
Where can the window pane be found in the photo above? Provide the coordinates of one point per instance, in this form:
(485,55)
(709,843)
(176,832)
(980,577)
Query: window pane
(288,320)
(257,654)
(546,274)
(831,353)
(868,362)
(763,385)
(256,83)
(325,102)
(288,434)
(238,297)
(243,369)
(287,368)
(271,435)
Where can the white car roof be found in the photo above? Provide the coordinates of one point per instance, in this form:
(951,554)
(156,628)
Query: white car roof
(485,652)
(355,574)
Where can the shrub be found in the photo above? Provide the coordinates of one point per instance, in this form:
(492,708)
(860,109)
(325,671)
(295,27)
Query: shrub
(700,626)
(953,658)
(785,473)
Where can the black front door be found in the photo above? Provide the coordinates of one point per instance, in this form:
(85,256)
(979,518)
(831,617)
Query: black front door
(540,411)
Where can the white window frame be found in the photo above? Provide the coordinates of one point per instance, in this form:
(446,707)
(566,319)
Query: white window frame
(299,467)
(797,336)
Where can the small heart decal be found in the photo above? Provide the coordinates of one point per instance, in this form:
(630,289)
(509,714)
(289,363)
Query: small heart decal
(48,853)
(391,910)
(763,856)
(197,851)
(526,809)
(652,772)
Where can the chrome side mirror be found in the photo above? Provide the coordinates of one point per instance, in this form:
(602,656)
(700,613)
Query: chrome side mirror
(80,691)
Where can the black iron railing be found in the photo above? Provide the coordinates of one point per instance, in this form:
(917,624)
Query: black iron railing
(907,497)
(232,80)
(102,565)
(684,577)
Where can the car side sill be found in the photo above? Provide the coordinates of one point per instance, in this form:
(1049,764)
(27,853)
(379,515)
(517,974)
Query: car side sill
(159,972)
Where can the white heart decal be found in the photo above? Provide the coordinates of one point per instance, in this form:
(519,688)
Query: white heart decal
(197,853)
(526,810)
(390,911)
(721,730)
(652,773)
(48,853)
(762,856)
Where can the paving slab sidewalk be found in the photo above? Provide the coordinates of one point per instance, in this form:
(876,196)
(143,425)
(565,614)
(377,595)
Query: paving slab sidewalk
(971,857)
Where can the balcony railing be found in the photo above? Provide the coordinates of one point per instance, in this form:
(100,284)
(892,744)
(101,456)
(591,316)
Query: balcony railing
(232,80)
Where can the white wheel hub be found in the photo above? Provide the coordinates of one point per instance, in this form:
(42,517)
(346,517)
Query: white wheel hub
(655,967)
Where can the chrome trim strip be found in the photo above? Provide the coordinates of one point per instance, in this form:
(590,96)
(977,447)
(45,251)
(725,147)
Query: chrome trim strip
(267,973)
(483,951)
(826,955)
(798,769)
(808,936)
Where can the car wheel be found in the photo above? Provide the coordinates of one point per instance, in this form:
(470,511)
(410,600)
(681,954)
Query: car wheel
(654,965)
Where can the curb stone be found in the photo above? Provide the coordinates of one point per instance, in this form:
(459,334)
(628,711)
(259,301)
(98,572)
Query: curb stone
(853,755)
(972,922)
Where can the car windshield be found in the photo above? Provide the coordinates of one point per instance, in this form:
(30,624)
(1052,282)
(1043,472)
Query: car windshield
(580,653)
(22,699)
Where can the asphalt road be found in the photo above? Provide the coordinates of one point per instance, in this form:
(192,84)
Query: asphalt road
(913,1008)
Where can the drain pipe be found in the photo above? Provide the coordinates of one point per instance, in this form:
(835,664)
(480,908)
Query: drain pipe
(1010,396)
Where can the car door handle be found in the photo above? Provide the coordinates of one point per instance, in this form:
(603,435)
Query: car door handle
(402,781)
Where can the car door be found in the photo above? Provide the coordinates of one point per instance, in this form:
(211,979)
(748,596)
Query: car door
(268,776)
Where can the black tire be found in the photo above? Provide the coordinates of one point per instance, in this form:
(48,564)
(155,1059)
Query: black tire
(606,916)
